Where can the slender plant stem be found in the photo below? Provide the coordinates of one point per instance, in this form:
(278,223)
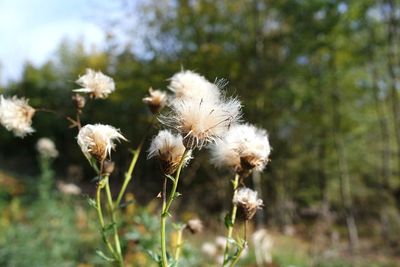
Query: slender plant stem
(135,157)
(165,208)
(113,221)
(101,220)
(128,174)
(243,246)
(235,185)
(179,243)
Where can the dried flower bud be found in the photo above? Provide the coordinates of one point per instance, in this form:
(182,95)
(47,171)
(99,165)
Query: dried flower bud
(46,148)
(246,200)
(156,100)
(195,226)
(96,84)
(108,167)
(16,115)
(98,140)
(79,101)
(169,149)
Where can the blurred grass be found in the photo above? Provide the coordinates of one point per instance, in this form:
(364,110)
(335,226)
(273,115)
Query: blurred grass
(63,231)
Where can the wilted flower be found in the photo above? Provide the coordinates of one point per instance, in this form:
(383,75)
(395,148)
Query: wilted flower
(46,148)
(16,115)
(246,200)
(68,188)
(156,100)
(209,249)
(243,148)
(79,101)
(195,226)
(169,149)
(188,84)
(98,140)
(96,84)
(201,122)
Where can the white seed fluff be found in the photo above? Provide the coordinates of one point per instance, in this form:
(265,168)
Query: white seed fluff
(200,121)
(97,140)
(169,149)
(246,196)
(46,148)
(16,115)
(243,142)
(156,100)
(188,84)
(96,84)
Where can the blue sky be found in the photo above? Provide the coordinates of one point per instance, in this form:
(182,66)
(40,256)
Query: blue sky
(32,30)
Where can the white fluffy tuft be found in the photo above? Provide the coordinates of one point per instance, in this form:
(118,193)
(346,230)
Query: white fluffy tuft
(96,84)
(16,115)
(243,142)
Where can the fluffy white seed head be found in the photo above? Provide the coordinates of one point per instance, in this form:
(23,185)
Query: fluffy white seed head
(244,147)
(156,100)
(16,115)
(200,121)
(168,149)
(96,84)
(97,140)
(46,148)
(246,199)
(188,84)
(195,226)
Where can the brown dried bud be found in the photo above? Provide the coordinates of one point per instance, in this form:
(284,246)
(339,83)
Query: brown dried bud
(247,202)
(108,167)
(79,101)
(156,100)
(195,226)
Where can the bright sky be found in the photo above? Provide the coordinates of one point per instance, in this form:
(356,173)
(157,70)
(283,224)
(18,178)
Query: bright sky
(32,30)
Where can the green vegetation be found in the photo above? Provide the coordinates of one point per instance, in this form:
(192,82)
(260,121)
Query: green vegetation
(322,76)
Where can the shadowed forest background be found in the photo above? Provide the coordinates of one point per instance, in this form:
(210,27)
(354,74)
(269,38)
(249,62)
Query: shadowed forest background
(322,76)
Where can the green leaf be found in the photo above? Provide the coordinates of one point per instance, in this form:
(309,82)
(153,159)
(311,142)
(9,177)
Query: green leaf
(108,229)
(228,221)
(101,254)
(154,256)
(91,202)
(171,178)
(177,194)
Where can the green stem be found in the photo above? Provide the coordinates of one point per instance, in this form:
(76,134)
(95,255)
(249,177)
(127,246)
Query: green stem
(235,185)
(179,243)
(128,174)
(135,157)
(113,221)
(166,206)
(101,220)
(243,246)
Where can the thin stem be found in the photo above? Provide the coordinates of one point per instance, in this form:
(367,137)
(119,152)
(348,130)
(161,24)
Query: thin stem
(128,174)
(113,221)
(165,208)
(235,185)
(179,243)
(101,219)
(135,157)
(243,246)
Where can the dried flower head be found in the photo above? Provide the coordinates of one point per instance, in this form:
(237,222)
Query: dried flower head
(16,115)
(79,102)
(246,199)
(201,122)
(195,226)
(156,100)
(188,84)
(96,84)
(46,148)
(98,140)
(68,188)
(243,148)
(169,149)
(209,249)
